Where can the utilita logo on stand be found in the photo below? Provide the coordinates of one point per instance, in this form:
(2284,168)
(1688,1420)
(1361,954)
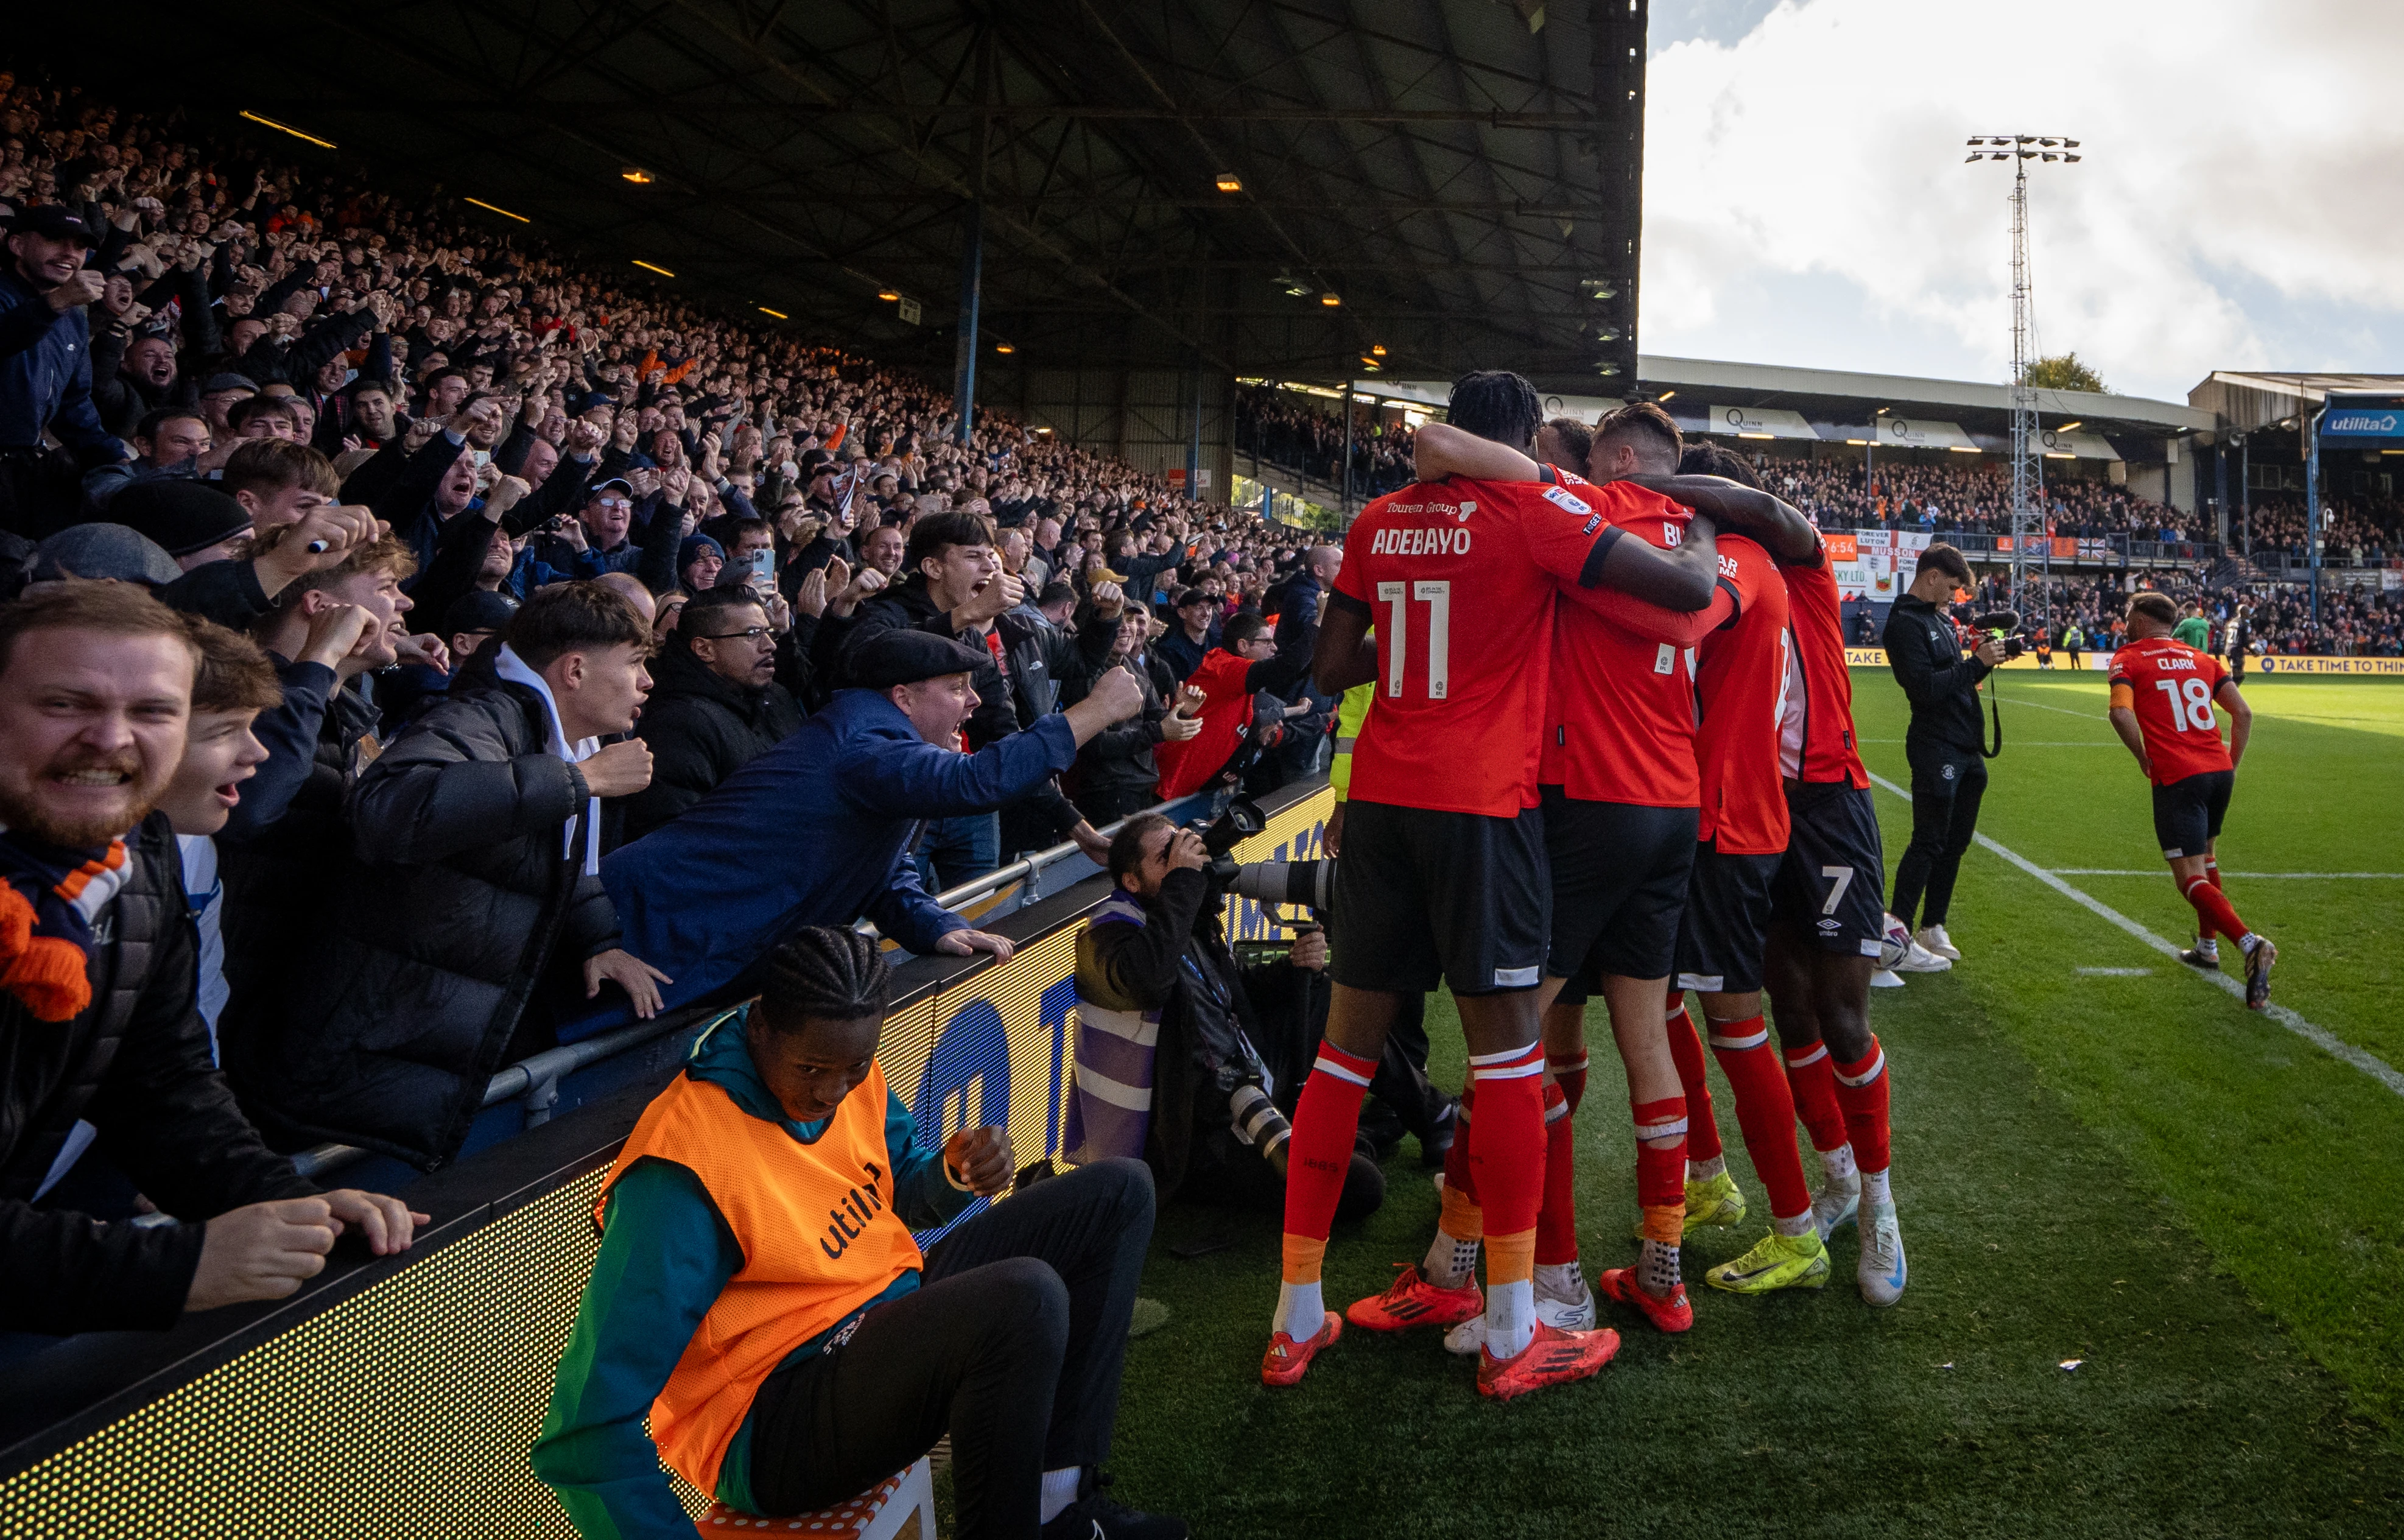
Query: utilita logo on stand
(2365,425)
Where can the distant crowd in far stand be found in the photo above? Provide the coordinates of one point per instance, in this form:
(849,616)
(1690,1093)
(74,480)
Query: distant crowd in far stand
(1279,427)
(2355,621)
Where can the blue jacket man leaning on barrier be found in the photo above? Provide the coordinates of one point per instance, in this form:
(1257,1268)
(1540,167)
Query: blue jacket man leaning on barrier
(818,829)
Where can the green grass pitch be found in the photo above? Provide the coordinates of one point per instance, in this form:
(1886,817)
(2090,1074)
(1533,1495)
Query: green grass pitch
(2129,1170)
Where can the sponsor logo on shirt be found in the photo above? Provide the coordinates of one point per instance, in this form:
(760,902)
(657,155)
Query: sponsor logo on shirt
(1564,497)
(1592,525)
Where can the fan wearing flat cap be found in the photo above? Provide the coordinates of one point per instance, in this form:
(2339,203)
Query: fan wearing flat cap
(818,831)
(46,374)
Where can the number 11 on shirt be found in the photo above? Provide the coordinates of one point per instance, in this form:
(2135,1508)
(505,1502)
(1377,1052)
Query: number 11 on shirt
(1438,598)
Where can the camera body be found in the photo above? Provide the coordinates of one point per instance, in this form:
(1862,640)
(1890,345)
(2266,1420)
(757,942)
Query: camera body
(2005,626)
(1306,884)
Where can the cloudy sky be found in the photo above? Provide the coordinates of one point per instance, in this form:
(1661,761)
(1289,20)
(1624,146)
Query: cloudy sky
(2241,205)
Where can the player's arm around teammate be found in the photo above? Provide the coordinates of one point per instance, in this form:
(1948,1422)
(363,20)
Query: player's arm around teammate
(1682,579)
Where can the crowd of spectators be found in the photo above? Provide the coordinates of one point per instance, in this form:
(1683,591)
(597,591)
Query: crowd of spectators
(2356,531)
(514,567)
(1946,500)
(1305,435)
(2354,621)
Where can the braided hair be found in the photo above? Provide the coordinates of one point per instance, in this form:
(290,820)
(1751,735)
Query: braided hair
(831,974)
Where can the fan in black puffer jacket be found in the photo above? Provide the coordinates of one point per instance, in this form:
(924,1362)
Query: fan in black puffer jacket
(457,892)
(702,726)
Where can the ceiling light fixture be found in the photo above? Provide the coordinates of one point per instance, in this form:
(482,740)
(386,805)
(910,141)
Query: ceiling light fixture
(888,295)
(1004,347)
(286,128)
(779,314)
(653,267)
(1330,298)
(1376,350)
(502,212)
(636,174)
(2067,427)
(1227,181)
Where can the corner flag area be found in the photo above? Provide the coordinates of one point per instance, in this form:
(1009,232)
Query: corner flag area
(2155,1240)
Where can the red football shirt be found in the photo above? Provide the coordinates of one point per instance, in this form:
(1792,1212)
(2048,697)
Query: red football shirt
(1742,684)
(1817,744)
(1459,577)
(2170,686)
(1621,725)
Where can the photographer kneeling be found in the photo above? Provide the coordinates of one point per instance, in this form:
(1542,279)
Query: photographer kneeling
(1944,742)
(1210,1102)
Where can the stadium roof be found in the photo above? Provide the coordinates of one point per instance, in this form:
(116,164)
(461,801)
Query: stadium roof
(2247,400)
(1841,398)
(1454,173)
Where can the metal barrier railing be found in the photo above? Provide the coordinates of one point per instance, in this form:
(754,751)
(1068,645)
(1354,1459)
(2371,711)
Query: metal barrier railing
(1030,868)
(536,1080)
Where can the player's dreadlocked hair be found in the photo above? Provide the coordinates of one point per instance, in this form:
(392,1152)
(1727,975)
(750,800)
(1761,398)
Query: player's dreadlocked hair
(834,975)
(1496,405)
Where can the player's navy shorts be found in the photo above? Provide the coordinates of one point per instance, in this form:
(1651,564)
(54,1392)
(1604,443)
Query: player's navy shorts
(1423,895)
(1727,925)
(1832,882)
(1619,885)
(2187,813)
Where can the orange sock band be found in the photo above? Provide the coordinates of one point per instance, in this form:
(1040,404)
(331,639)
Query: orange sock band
(1304,1257)
(1511,1258)
(1666,1222)
(1463,1220)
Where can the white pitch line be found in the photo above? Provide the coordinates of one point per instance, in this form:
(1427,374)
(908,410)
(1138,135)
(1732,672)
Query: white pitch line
(2060,743)
(2336,1047)
(2116,972)
(2023,700)
(2250,876)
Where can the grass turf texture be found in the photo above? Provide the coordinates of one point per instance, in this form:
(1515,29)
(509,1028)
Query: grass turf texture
(2135,1172)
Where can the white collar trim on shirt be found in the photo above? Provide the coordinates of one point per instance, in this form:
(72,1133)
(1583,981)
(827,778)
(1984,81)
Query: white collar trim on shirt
(509,665)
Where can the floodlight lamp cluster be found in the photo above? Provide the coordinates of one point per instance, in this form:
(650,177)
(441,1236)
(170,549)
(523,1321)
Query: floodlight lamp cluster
(2021,146)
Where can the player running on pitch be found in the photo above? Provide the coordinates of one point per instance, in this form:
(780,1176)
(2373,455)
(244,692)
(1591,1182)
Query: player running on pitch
(2162,694)
(1442,874)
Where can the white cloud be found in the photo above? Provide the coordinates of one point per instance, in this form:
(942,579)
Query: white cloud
(2236,206)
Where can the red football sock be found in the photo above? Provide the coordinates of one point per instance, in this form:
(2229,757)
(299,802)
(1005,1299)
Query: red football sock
(1703,1133)
(1556,1221)
(1661,1167)
(1812,1078)
(1569,1073)
(1325,1120)
(1459,1176)
(1508,1150)
(1765,1110)
(2214,905)
(1862,1091)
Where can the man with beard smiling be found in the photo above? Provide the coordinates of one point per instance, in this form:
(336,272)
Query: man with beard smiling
(99,1019)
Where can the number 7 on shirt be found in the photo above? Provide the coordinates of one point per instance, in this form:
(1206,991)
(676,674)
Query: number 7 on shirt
(1438,598)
